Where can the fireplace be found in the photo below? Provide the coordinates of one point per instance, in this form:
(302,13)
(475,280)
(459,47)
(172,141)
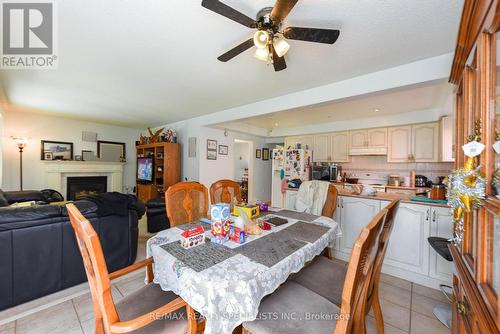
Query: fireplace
(85,185)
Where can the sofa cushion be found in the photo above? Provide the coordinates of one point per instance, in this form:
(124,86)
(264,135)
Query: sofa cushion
(24,196)
(27,214)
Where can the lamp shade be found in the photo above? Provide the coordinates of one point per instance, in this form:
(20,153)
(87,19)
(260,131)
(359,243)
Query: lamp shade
(261,39)
(262,54)
(281,46)
(20,141)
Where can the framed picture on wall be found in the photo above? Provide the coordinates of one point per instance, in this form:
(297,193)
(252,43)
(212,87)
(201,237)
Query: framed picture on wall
(223,149)
(258,153)
(60,150)
(211,145)
(265,154)
(211,155)
(111,151)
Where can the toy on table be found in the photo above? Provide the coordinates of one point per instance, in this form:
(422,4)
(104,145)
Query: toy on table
(263,206)
(250,210)
(220,214)
(193,237)
(265,225)
(237,235)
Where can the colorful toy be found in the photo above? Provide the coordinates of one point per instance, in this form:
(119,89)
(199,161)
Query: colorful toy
(193,237)
(263,207)
(220,211)
(250,210)
(220,231)
(237,235)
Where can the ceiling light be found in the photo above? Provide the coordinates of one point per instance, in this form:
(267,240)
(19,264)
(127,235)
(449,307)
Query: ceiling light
(281,46)
(261,39)
(276,124)
(376,109)
(262,54)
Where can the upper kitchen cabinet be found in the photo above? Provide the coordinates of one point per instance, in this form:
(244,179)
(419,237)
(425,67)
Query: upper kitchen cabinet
(425,142)
(322,148)
(368,142)
(399,144)
(340,147)
(414,143)
(447,147)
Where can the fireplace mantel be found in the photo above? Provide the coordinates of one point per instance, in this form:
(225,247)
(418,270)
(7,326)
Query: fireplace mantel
(57,172)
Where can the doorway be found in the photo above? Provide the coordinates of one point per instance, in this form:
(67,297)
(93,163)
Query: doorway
(243,167)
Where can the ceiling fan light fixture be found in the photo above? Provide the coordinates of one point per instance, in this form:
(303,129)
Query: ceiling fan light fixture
(262,54)
(261,39)
(281,46)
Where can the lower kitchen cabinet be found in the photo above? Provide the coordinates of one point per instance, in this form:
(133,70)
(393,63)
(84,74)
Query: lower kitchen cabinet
(290,198)
(408,247)
(441,226)
(409,255)
(355,213)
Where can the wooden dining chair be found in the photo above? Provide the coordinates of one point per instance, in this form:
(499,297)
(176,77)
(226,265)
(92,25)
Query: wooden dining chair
(373,291)
(331,202)
(225,191)
(297,300)
(326,277)
(148,310)
(186,202)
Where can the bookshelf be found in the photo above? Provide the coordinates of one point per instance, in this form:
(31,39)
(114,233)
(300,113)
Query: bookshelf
(166,169)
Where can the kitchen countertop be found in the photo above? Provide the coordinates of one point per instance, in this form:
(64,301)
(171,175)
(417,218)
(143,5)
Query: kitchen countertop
(404,198)
(389,197)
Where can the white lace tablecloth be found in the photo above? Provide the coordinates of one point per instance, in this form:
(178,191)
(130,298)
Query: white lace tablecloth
(230,292)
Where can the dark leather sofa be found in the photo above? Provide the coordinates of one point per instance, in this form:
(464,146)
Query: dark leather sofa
(38,251)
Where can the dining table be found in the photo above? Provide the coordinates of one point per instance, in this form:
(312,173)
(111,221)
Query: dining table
(225,283)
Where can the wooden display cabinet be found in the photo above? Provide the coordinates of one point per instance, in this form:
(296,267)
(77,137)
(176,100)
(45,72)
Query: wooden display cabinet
(166,169)
(476,284)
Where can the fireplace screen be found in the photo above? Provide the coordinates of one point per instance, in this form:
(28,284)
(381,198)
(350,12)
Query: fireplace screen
(85,185)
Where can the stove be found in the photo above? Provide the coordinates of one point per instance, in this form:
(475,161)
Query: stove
(377,181)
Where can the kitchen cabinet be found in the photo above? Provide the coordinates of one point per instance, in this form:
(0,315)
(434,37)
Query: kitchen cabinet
(441,226)
(355,213)
(409,255)
(399,147)
(340,147)
(368,142)
(425,142)
(408,248)
(322,148)
(413,143)
(446,143)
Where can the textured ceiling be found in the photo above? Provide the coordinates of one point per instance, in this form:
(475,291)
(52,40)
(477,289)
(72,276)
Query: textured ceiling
(403,100)
(151,62)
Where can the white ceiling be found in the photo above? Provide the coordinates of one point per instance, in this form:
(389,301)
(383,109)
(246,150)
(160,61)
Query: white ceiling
(431,96)
(152,62)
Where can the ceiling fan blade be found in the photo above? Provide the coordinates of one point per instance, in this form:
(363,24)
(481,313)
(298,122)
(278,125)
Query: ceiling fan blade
(327,36)
(236,50)
(279,63)
(230,13)
(281,9)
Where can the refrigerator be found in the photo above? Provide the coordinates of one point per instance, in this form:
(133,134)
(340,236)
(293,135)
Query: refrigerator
(294,164)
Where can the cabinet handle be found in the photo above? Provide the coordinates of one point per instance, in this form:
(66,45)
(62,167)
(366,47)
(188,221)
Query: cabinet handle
(433,216)
(427,216)
(342,203)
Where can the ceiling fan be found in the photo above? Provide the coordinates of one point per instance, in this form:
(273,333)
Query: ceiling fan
(269,37)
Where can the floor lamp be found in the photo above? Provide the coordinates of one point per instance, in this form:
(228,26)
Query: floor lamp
(21,144)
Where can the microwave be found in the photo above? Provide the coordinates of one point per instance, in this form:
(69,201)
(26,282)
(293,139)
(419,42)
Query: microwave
(321,173)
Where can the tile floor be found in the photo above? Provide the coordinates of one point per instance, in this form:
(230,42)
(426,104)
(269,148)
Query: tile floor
(406,307)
